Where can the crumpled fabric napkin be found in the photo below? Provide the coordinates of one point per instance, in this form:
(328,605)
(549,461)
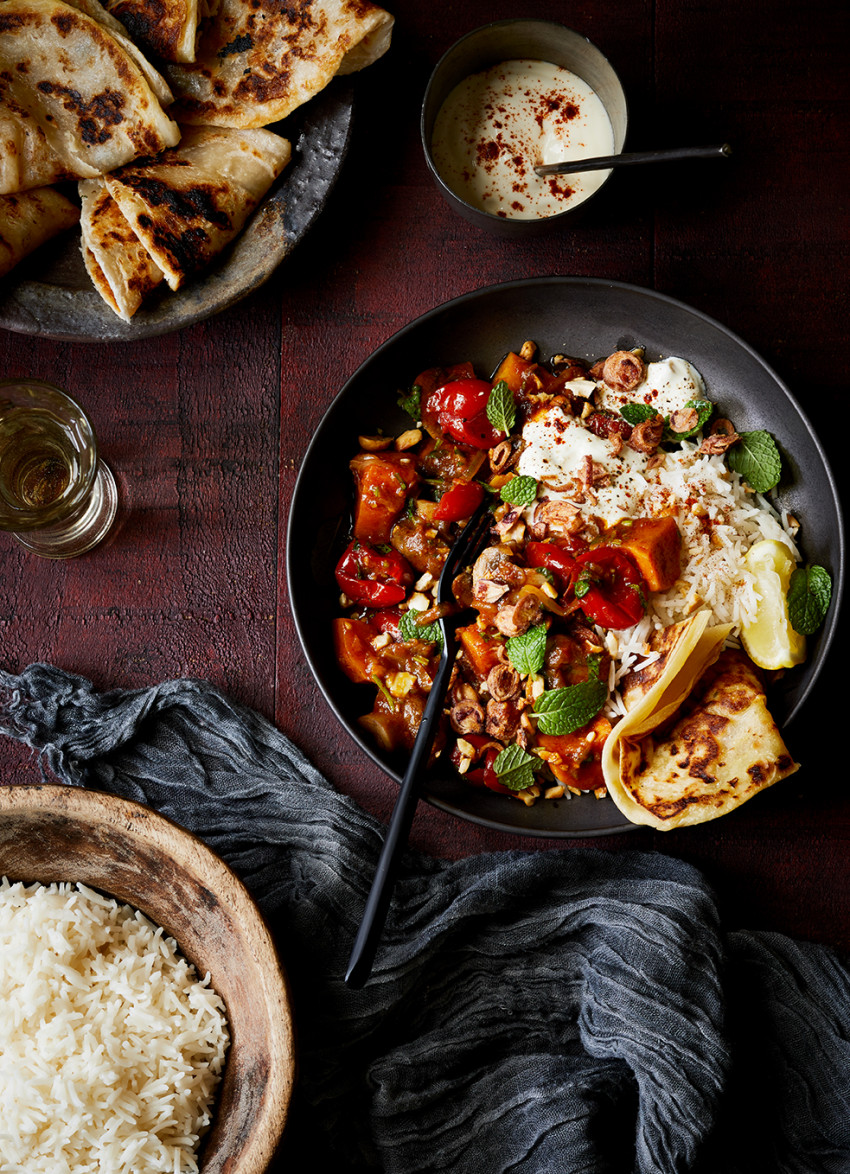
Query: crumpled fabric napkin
(529,1011)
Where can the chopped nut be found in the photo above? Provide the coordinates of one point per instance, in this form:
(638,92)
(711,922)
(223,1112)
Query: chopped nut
(408,439)
(374,443)
(528,350)
(381,641)
(400,684)
(466,748)
(419,602)
(554,792)
(427,580)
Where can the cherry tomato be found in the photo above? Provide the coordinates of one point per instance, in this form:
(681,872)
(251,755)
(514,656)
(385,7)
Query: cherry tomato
(459,410)
(375,578)
(609,587)
(459,502)
(387,620)
(554,558)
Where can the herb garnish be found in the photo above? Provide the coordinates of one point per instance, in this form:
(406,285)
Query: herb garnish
(756,458)
(563,711)
(411,402)
(528,651)
(410,629)
(514,767)
(520,490)
(809,596)
(501,408)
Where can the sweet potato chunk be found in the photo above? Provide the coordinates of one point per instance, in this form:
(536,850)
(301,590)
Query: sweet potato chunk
(383,481)
(482,650)
(656,546)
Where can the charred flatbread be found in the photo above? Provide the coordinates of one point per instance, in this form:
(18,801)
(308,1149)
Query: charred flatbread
(28,219)
(83,101)
(258,61)
(166,28)
(708,745)
(186,205)
(121,269)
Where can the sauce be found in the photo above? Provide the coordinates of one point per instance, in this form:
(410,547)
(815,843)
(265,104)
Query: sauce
(497,125)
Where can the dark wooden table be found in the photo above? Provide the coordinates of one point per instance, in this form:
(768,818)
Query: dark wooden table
(206,427)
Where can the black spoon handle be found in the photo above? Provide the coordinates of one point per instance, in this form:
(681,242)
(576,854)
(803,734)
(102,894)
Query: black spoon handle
(603,162)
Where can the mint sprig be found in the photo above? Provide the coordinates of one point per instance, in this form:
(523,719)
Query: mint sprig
(756,459)
(563,711)
(809,597)
(501,408)
(411,402)
(409,629)
(528,651)
(515,767)
(520,490)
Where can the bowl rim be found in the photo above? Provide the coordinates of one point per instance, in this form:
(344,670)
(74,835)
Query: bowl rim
(133,818)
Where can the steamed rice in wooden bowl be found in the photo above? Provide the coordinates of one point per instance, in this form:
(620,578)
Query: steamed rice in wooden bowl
(73,854)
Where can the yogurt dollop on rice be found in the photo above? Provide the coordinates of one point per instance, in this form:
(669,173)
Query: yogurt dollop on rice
(605,480)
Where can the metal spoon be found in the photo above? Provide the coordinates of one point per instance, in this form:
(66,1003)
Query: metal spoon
(603,162)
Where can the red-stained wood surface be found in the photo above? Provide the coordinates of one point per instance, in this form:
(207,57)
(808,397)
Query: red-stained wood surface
(206,428)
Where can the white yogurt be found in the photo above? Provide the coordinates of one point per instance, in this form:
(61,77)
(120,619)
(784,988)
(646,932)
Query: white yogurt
(497,125)
(668,386)
(557,446)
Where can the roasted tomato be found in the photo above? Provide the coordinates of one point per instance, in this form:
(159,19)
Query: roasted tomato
(372,577)
(554,558)
(459,410)
(609,587)
(459,502)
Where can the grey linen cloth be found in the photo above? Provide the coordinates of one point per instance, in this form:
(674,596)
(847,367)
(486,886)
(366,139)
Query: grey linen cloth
(530,1011)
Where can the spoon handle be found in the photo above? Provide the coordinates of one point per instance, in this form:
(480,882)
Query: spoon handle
(602,162)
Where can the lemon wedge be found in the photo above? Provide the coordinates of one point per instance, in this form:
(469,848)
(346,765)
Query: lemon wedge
(768,638)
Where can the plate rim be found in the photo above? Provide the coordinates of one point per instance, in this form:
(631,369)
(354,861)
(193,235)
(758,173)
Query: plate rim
(827,635)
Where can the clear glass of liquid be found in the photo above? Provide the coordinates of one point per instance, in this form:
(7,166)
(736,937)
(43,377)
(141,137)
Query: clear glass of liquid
(56,497)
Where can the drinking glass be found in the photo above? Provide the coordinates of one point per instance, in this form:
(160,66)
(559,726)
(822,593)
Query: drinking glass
(56,497)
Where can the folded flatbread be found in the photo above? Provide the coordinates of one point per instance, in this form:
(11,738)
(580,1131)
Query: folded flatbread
(28,219)
(81,102)
(119,265)
(259,60)
(166,28)
(186,205)
(700,740)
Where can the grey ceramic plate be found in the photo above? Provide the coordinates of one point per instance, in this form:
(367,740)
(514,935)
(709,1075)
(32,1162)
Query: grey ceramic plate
(576,316)
(50,294)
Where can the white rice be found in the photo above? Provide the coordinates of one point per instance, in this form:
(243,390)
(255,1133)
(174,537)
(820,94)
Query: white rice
(719,519)
(111,1048)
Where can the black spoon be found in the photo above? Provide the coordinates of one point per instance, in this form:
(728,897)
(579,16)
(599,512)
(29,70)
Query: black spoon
(628,158)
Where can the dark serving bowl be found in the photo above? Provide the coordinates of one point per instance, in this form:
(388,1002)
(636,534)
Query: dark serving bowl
(586,318)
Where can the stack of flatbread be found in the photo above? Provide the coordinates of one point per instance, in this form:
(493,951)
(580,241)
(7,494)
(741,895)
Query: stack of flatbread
(697,740)
(168,171)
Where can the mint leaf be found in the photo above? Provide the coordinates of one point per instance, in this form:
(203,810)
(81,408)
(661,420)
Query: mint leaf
(637,413)
(756,458)
(809,596)
(411,402)
(410,629)
(514,767)
(519,491)
(527,652)
(501,408)
(703,409)
(563,711)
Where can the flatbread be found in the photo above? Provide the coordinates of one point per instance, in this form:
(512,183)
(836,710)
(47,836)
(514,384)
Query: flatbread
(721,749)
(121,269)
(259,60)
(28,219)
(166,28)
(186,205)
(85,104)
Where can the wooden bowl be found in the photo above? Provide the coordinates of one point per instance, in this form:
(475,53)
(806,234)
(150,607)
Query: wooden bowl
(55,833)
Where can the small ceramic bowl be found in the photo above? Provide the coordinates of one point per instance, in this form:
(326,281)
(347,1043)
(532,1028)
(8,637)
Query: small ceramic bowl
(508,40)
(53,833)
